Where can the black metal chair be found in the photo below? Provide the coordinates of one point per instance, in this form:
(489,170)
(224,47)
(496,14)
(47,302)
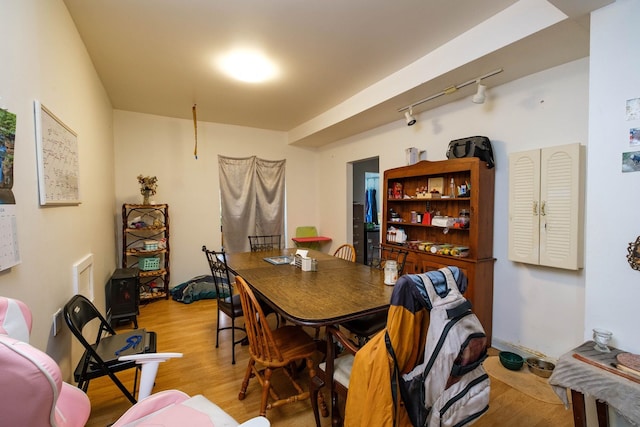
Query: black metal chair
(377,255)
(365,327)
(101,354)
(264,243)
(228,303)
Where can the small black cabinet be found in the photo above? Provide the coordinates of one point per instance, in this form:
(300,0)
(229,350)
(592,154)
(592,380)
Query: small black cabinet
(122,296)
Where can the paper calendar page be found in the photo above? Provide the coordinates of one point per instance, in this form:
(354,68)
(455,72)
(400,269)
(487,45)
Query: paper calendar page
(9,253)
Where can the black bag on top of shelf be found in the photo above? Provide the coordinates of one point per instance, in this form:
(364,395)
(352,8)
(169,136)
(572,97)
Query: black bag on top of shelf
(473,146)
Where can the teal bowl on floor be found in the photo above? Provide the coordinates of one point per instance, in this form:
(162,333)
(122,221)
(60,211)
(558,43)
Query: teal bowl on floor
(511,360)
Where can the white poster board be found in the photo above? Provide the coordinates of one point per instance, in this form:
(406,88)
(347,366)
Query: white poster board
(57,152)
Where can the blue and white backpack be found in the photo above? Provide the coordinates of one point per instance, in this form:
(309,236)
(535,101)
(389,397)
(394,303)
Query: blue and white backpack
(450,386)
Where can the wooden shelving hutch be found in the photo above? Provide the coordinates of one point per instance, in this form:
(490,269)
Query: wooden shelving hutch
(142,225)
(421,238)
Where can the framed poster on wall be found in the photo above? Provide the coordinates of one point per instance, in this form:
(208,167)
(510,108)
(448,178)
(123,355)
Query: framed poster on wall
(57,155)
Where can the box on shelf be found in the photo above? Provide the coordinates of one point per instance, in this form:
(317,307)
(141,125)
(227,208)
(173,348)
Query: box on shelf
(151,245)
(149,263)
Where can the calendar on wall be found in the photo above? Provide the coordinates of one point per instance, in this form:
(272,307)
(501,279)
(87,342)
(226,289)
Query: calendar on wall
(9,253)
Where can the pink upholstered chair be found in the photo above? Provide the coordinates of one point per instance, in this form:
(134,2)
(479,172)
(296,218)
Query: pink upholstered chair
(15,319)
(25,369)
(32,392)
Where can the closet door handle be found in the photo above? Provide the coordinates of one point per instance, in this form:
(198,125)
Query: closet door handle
(542,208)
(535,208)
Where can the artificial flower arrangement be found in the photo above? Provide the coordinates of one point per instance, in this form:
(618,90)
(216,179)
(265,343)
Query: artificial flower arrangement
(148,185)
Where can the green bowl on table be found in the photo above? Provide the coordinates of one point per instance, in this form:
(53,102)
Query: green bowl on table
(511,361)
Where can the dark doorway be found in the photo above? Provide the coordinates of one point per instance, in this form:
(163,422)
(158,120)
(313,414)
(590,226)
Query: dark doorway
(366,206)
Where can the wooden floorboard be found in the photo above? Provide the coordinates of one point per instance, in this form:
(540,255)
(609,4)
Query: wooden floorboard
(190,329)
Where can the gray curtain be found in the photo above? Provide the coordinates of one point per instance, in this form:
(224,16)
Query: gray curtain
(252,193)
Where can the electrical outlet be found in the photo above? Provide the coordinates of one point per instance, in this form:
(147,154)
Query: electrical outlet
(57,322)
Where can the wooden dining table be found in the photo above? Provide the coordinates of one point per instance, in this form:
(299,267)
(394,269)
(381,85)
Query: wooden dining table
(338,291)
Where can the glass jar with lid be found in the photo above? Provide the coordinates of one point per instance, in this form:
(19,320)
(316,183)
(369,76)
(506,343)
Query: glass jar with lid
(463,218)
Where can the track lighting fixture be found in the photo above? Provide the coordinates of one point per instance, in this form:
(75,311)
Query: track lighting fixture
(478,98)
(408,115)
(480,95)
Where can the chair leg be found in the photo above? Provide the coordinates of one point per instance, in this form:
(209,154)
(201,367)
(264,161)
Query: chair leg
(266,385)
(245,381)
(233,341)
(218,328)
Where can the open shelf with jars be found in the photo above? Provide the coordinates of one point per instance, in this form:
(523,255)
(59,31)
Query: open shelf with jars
(145,246)
(442,213)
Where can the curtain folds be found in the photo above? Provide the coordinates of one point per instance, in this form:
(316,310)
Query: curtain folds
(252,193)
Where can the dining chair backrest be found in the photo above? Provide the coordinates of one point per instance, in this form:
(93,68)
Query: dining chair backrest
(306,231)
(346,252)
(264,243)
(220,272)
(261,343)
(378,255)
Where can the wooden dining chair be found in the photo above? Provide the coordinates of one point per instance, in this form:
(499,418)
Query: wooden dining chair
(271,350)
(365,327)
(346,252)
(335,372)
(264,242)
(228,302)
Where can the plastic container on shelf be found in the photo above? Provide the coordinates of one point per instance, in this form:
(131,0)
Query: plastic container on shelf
(151,245)
(149,263)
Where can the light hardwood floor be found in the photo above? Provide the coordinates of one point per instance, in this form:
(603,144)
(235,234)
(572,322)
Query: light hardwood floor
(190,329)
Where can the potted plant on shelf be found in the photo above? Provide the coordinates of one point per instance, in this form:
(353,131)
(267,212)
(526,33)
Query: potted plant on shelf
(148,187)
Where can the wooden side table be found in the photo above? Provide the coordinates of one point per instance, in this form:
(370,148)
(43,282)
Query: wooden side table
(585,370)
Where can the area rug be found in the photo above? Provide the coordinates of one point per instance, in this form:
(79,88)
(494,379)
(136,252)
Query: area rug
(522,380)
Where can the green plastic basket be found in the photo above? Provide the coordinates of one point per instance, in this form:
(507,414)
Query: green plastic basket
(149,263)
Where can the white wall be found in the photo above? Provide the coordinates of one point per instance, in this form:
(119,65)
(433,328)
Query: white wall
(613,288)
(45,59)
(160,146)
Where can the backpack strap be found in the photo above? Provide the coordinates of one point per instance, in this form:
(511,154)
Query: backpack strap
(439,297)
(395,377)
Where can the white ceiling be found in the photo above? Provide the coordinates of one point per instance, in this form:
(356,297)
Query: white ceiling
(156,56)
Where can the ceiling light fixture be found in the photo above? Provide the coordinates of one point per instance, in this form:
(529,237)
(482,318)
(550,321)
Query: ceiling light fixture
(409,117)
(248,66)
(480,95)
(451,89)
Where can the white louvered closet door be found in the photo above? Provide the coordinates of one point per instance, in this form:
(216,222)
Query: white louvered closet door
(524,196)
(545,207)
(560,207)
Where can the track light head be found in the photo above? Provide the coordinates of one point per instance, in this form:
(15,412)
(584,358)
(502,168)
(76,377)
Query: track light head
(408,115)
(480,95)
